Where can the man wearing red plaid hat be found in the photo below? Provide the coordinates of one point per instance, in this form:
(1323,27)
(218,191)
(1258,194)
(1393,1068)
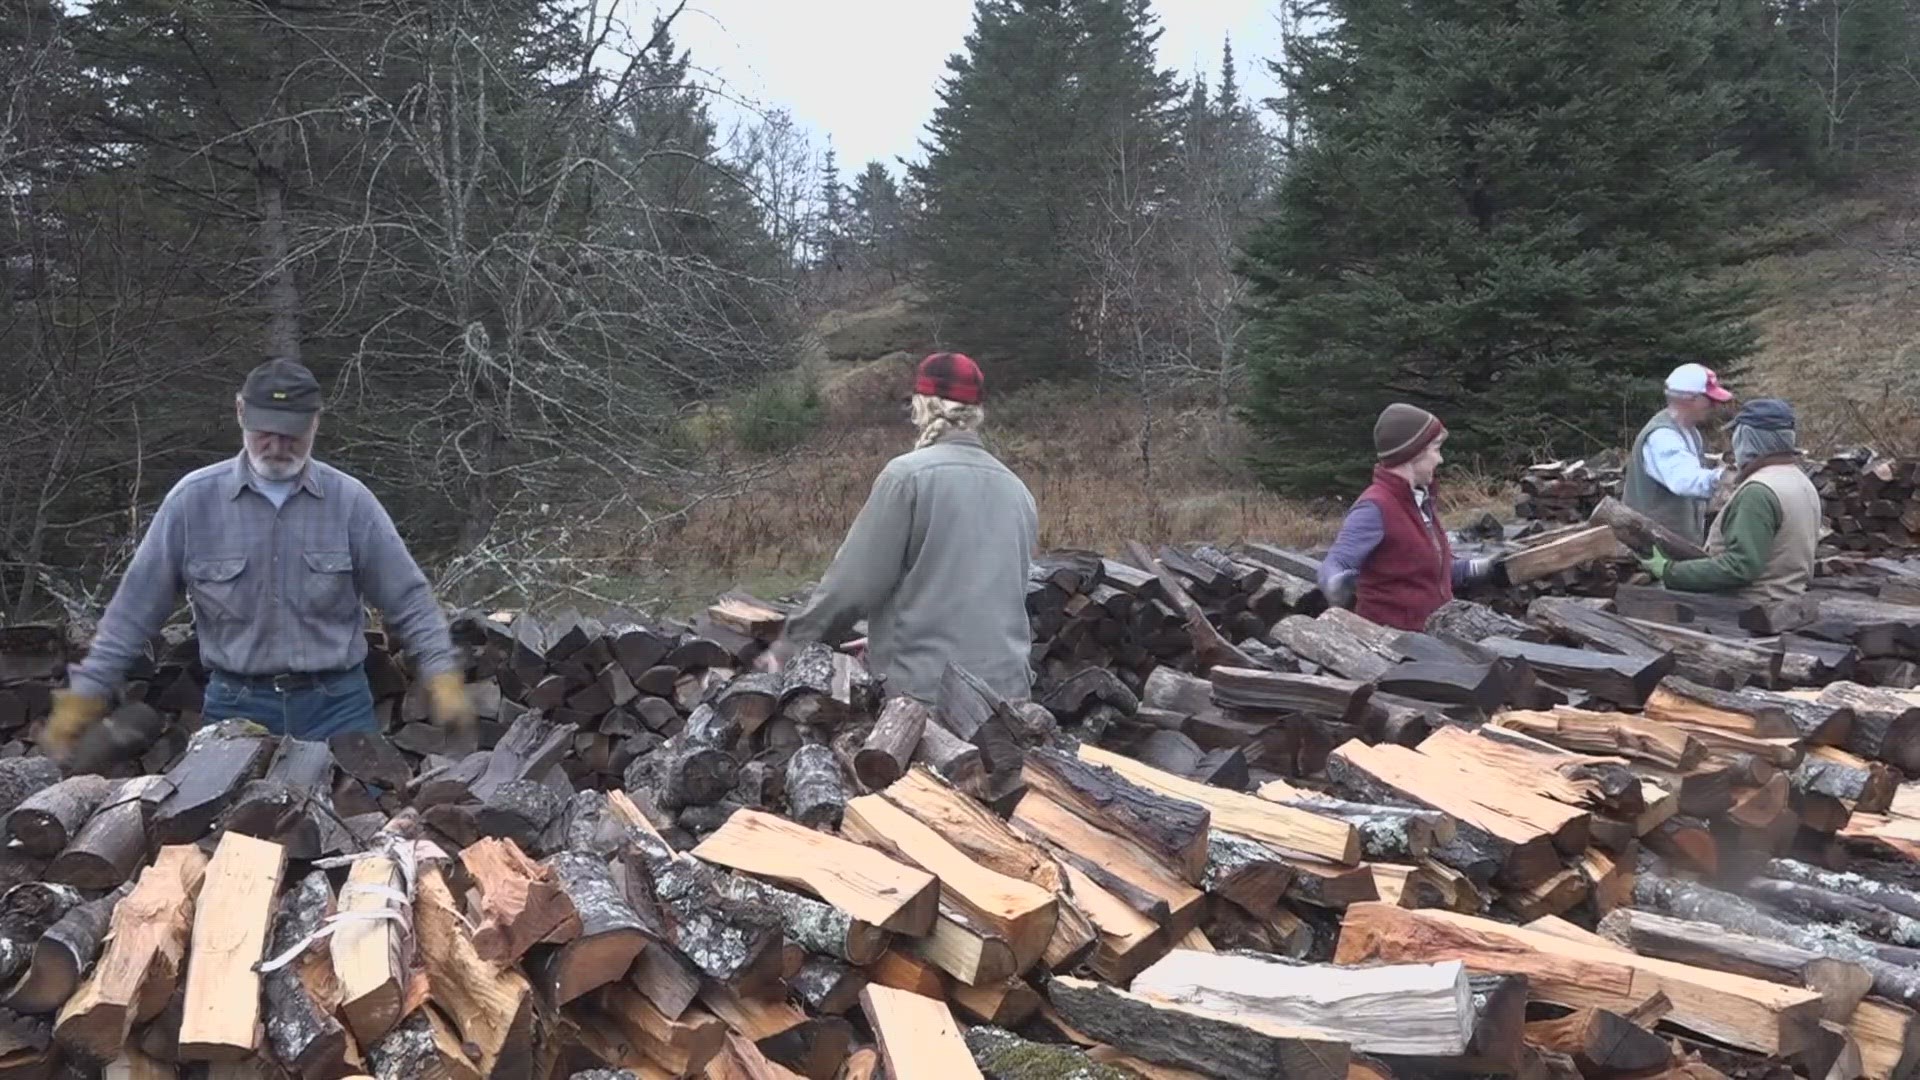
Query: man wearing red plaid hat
(937,560)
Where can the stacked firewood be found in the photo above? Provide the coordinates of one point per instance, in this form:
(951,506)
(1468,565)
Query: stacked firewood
(1568,490)
(1871,503)
(1235,833)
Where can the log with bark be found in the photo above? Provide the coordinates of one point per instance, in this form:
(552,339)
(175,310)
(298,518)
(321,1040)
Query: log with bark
(611,930)
(1886,726)
(1623,680)
(1841,983)
(1464,620)
(890,745)
(62,957)
(1641,534)
(144,958)
(1708,611)
(218,762)
(1233,1048)
(112,846)
(302,1033)
(1274,691)
(858,880)
(291,805)
(521,904)
(45,821)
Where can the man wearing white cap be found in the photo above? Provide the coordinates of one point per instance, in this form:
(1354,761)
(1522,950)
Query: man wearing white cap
(1667,478)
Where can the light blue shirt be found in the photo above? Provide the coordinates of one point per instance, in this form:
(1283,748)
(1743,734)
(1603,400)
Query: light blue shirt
(1672,459)
(276,491)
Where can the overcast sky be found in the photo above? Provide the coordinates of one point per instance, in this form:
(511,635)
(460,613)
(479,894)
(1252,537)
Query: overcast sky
(866,71)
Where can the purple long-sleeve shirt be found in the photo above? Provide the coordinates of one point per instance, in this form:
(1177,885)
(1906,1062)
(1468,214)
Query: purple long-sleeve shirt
(1360,534)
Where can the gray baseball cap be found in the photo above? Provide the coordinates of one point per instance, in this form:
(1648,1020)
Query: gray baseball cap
(281,397)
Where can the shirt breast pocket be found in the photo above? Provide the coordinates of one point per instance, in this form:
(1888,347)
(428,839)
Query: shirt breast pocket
(214,588)
(329,587)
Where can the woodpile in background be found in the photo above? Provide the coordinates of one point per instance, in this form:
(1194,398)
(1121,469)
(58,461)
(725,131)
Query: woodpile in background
(1236,833)
(1871,503)
(1567,491)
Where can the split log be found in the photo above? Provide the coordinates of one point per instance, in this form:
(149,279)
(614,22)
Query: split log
(1275,691)
(1840,983)
(721,925)
(954,759)
(521,904)
(112,846)
(1496,1049)
(1209,648)
(1623,680)
(1708,610)
(1424,1009)
(45,821)
(367,948)
(1752,712)
(1479,687)
(1886,726)
(144,957)
(1464,620)
(1575,549)
(21,777)
(1144,883)
(1386,832)
(1745,1012)
(290,804)
(858,880)
(890,745)
(1009,1002)
(491,1005)
(918,1037)
(1286,829)
(815,926)
(301,1031)
(1685,900)
(1503,832)
(1641,534)
(1246,872)
(1169,829)
(1601,1042)
(611,931)
(1717,660)
(1609,733)
(1586,626)
(1332,646)
(816,790)
(62,956)
(1835,774)
(221,1013)
(218,762)
(815,1048)
(1215,1045)
(827,986)
(1014,909)
(974,711)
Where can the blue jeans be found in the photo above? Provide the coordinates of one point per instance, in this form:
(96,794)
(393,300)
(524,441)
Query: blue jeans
(339,703)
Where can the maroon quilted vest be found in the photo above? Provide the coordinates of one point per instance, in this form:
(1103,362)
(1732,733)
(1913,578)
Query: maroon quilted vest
(1410,574)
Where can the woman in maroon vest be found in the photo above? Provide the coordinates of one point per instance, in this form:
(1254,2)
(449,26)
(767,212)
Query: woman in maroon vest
(1391,562)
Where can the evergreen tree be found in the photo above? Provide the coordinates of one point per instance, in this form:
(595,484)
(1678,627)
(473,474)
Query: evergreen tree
(832,244)
(876,223)
(1054,130)
(1227,101)
(1510,212)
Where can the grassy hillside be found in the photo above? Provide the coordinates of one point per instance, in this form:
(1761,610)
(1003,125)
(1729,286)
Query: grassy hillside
(1841,340)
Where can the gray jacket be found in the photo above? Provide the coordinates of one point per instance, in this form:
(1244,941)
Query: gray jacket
(937,564)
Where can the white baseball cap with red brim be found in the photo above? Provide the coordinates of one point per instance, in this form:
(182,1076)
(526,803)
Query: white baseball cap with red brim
(1697,379)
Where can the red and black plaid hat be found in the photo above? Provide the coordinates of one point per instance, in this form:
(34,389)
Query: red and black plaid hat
(949,375)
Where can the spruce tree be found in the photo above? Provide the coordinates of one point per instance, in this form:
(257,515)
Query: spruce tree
(1510,212)
(1051,110)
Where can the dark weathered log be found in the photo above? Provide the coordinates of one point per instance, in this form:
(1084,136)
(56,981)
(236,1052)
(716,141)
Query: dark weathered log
(1464,620)
(1085,688)
(218,761)
(62,956)
(1718,660)
(301,1031)
(21,777)
(816,791)
(1581,624)
(1623,680)
(290,805)
(1247,872)
(1172,829)
(1898,899)
(1809,661)
(369,758)
(49,818)
(1272,691)
(522,811)
(717,923)
(1209,648)
(26,912)
(1480,687)
(889,747)
(1176,692)
(1820,904)
(1685,900)
(1189,1039)
(974,711)
(1641,534)
(611,932)
(1864,785)
(531,747)
(112,846)
(1706,611)
(1886,726)
(1332,646)
(827,986)
(953,758)
(1841,983)
(689,775)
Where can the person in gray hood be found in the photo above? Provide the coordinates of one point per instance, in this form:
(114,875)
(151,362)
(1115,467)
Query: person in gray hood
(937,559)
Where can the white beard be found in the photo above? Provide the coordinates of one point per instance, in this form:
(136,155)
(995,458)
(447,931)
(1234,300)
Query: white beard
(275,470)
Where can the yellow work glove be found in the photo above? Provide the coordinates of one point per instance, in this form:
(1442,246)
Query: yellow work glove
(448,702)
(73,714)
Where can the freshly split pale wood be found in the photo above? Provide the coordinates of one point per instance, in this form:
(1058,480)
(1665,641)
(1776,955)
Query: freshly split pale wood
(1127,940)
(145,955)
(1290,831)
(918,1037)
(1393,1009)
(965,949)
(813,1047)
(520,902)
(852,877)
(1609,733)
(490,1004)
(1732,1008)
(1593,544)
(1556,895)
(1506,831)
(367,957)
(1216,1044)
(1018,911)
(1386,832)
(221,1015)
(1888,1036)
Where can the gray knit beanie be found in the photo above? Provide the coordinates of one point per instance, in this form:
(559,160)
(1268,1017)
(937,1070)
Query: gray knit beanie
(1403,431)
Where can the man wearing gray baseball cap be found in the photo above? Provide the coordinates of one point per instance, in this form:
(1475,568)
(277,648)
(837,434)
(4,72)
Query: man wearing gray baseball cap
(278,554)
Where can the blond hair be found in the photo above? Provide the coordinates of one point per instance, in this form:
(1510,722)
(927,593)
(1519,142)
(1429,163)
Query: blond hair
(936,417)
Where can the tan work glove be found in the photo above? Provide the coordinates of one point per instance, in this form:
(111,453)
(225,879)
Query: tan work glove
(73,714)
(447,701)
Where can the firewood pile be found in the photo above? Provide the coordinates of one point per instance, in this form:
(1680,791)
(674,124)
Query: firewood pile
(1871,503)
(1236,833)
(1566,491)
